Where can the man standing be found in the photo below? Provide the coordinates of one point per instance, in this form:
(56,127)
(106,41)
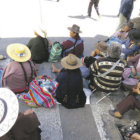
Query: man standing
(95,2)
(125,12)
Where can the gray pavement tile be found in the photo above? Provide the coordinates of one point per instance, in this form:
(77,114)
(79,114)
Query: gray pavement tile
(50,123)
(78,124)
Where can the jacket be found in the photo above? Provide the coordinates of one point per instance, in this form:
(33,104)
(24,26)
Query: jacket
(25,128)
(75,84)
(13,76)
(79,46)
(39,49)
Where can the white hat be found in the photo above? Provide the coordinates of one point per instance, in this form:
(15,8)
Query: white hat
(9,108)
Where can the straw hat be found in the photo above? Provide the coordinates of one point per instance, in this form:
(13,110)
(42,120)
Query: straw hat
(18,52)
(75,28)
(71,62)
(9,108)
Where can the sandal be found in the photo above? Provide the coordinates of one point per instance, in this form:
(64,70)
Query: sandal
(2,57)
(112,113)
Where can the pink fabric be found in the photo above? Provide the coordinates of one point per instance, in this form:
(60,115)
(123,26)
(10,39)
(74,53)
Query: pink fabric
(138,67)
(121,35)
(13,75)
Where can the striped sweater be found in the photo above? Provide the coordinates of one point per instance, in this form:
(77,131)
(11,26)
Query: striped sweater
(110,82)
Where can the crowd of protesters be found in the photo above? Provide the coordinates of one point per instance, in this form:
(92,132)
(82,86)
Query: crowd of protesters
(114,63)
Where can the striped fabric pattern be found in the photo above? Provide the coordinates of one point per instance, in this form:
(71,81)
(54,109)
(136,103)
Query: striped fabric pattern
(110,82)
(38,95)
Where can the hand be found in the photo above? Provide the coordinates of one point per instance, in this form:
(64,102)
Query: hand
(137,89)
(97,52)
(133,71)
(93,53)
(135,136)
(28,111)
(137,77)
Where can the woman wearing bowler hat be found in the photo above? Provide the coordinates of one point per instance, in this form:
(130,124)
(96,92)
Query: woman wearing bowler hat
(74,44)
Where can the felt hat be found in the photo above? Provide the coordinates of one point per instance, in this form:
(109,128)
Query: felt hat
(101,46)
(114,50)
(18,52)
(9,108)
(75,28)
(134,35)
(71,62)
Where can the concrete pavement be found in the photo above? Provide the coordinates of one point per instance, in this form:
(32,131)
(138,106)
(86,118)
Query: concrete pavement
(19,18)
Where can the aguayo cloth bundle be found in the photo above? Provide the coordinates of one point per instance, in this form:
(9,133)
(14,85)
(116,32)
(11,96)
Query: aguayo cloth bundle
(41,92)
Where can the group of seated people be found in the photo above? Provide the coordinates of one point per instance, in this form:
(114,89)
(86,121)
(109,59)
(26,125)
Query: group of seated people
(105,66)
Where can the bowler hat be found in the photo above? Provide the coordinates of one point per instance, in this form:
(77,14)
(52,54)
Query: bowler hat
(75,28)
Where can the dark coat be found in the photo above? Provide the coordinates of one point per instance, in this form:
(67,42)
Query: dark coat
(25,128)
(39,49)
(126,8)
(74,85)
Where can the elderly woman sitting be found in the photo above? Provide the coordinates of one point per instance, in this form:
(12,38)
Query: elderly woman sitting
(70,90)
(106,72)
(19,73)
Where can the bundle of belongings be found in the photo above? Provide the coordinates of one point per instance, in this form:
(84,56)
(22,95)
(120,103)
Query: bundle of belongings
(41,92)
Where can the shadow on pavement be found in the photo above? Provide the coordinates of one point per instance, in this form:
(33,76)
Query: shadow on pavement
(110,16)
(89,42)
(82,17)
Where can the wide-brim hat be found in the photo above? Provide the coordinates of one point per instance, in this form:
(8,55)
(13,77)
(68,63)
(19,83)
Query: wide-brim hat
(18,52)
(71,62)
(101,46)
(134,35)
(9,109)
(75,28)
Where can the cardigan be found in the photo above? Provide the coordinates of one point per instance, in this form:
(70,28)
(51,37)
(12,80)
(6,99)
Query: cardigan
(110,82)
(39,49)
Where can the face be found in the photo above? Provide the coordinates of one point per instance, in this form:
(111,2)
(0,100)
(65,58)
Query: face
(126,28)
(72,34)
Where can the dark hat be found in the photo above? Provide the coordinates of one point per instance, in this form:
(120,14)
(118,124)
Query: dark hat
(134,35)
(114,50)
(75,28)
(130,24)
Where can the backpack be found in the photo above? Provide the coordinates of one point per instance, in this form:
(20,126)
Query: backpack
(55,53)
(72,100)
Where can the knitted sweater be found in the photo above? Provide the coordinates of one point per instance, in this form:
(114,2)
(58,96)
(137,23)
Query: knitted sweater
(110,82)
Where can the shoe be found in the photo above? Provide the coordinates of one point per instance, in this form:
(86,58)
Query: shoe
(115,114)
(2,57)
(89,15)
